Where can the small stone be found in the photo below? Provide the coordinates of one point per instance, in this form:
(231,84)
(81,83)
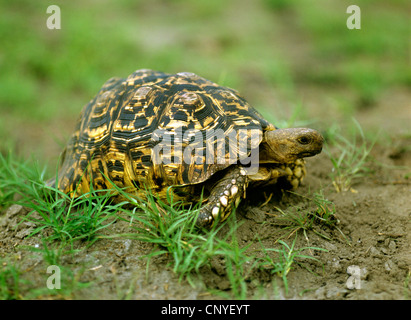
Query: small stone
(389,265)
(374,252)
(14,210)
(24,233)
(336,264)
(384,250)
(392,246)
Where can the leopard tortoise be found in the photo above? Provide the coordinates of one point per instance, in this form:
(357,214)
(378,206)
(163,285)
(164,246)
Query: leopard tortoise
(153,130)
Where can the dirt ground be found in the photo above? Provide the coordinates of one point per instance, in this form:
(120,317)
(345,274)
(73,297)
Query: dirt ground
(374,219)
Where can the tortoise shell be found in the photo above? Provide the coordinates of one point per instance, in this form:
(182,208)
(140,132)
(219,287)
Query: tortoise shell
(119,130)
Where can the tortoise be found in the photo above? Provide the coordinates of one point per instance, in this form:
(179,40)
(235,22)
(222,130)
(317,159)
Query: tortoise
(154,130)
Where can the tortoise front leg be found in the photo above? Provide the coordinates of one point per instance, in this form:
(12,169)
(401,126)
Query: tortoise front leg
(224,196)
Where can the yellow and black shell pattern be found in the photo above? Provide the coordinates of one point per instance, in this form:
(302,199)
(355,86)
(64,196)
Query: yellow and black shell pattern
(118,131)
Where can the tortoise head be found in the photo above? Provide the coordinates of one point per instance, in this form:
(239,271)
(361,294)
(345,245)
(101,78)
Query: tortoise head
(288,145)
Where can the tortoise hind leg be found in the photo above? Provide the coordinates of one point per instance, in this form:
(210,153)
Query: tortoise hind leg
(224,195)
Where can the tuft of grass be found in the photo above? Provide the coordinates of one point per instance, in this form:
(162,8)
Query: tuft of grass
(239,264)
(321,212)
(325,214)
(18,176)
(72,219)
(68,218)
(301,219)
(350,159)
(287,257)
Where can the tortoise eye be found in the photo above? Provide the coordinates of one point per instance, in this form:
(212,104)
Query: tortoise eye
(304,140)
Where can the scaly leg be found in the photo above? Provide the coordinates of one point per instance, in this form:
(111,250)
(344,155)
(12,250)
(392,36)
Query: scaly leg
(224,195)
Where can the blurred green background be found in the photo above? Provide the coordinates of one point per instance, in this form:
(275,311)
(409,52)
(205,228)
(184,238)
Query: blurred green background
(293,60)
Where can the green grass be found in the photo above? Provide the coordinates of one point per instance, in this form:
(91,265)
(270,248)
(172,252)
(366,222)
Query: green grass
(320,214)
(69,219)
(287,257)
(350,158)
